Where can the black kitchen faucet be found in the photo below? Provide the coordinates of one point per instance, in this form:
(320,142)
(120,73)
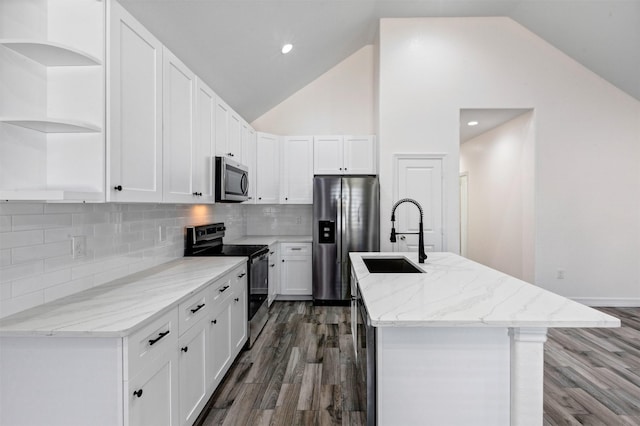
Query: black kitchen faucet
(421,253)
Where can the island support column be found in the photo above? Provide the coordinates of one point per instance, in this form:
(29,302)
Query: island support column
(527,375)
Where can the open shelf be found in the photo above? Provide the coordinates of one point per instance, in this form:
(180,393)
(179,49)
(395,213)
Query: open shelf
(51,195)
(49,53)
(52,125)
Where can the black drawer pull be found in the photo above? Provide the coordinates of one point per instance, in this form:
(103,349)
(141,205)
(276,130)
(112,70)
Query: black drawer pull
(193,311)
(242,275)
(272,265)
(215,321)
(118,188)
(237,299)
(223,289)
(160,336)
(138,393)
(272,252)
(185,349)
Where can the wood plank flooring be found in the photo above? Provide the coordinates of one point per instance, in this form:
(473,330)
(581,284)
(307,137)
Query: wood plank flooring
(301,372)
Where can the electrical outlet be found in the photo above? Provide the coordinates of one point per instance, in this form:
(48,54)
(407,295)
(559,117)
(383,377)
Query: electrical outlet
(79,246)
(560,274)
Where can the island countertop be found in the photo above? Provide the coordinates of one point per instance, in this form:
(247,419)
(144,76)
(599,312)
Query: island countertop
(457,292)
(117,308)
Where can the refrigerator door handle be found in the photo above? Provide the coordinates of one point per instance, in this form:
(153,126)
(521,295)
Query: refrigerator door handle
(339,229)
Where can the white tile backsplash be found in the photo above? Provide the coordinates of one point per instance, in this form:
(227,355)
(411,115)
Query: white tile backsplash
(294,219)
(36,262)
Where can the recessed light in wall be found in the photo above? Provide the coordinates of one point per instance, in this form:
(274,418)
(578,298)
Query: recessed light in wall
(287,48)
(472,123)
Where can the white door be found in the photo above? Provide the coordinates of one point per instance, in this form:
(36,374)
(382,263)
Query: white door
(134,112)
(205,146)
(296,276)
(239,316)
(419,177)
(178,145)
(267,169)
(327,155)
(193,374)
(360,155)
(297,170)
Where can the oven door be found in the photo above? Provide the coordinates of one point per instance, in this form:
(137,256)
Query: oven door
(258,282)
(232,181)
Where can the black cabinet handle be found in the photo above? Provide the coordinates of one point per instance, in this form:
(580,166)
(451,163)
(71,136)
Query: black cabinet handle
(259,198)
(215,321)
(286,198)
(193,311)
(223,289)
(272,265)
(185,349)
(242,275)
(237,299)
(118,188)
(160,336)
(282,260)
(138,393)
(271,252)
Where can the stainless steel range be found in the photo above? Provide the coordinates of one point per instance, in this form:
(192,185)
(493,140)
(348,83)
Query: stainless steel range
(206,240)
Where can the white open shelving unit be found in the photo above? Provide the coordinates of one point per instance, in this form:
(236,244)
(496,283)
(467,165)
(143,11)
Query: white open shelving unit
(52,113)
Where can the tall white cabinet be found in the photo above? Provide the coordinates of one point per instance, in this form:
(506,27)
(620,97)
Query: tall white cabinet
(134,110)
(52,100)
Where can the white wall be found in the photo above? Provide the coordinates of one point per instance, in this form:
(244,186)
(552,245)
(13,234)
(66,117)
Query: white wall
(587,188)
(36,262)
(341,101)
(499,165)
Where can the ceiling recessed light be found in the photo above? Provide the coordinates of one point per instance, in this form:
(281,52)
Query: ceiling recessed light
(472,123)
(287,48)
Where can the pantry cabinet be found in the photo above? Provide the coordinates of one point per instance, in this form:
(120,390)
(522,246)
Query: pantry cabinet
(134,110)
(52,130)
(344,155)
(296,184)
(267,169)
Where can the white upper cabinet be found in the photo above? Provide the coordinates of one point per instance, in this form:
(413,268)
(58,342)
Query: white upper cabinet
(178,143)
(296,185)
(248,136)
(205,146)
(134,145)
(267,169)
(223,111)
(234,143)
(344,155)
(52,100)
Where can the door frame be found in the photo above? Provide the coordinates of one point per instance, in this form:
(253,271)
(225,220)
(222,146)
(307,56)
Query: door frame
(464,213)
(442,156)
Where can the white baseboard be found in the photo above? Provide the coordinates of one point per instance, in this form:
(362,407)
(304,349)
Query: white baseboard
(612,302)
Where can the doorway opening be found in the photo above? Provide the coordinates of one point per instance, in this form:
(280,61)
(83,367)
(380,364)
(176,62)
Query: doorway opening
(497,174)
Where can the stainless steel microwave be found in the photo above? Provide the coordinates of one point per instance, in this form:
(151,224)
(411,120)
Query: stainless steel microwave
(232,181)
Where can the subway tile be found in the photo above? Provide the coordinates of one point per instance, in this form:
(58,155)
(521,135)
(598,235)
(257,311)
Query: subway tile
(40,282)
(21,270)
(110,275)
(17,304)
(63,234)
(21,208)
(5,258)
(97,267)
(68,208)
(5,223)
(68,288)
(21,239)
(5,291)
(42,251)
(66,261)
(26,222)
(90,218)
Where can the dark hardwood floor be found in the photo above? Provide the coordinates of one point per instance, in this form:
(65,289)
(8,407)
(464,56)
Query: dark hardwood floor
(301,372)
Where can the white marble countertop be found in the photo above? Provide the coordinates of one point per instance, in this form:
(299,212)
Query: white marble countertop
(270,239)
(117,308)
(457,292)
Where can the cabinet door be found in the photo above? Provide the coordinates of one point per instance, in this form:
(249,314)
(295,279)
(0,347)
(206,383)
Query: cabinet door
(359,155)
(178,145)
(297,170)
(267,169)
(274,273)
(222,127)
(134,117)
(239,317)
(234,142)
(205,142)
(219,344)
(152,394)
(327,155)
(249,159)
(193,373)
(296,276)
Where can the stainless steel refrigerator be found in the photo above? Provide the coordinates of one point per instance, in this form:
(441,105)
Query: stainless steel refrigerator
(346,218)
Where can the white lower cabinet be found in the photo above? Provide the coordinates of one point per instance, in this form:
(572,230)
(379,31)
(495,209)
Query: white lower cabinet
(295,269)
(193,372)
(161,374)
(152,397)
(274,272)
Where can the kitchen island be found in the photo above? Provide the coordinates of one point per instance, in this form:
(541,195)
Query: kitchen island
(460,343)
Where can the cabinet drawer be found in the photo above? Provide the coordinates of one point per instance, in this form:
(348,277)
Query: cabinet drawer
(295,249)
(153,340)
(193,309)
(220,291)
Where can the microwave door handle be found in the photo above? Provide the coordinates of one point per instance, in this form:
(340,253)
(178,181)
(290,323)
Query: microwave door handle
(244,184)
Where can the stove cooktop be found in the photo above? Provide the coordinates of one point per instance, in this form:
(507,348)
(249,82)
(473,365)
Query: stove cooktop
(234,250)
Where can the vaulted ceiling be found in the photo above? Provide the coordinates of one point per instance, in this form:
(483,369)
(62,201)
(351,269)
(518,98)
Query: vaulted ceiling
(234,45)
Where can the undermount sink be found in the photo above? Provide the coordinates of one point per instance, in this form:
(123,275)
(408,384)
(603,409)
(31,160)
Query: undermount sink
(393,265)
